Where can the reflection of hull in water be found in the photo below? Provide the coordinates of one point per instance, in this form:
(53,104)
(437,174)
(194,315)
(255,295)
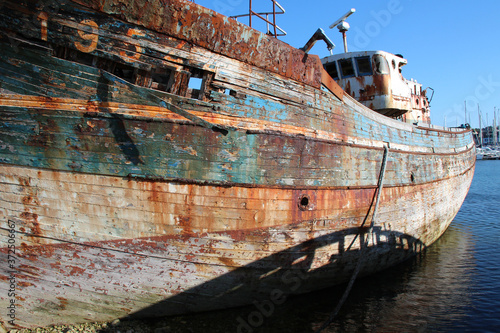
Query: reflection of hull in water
(429,292)
(424,295)
(122,199)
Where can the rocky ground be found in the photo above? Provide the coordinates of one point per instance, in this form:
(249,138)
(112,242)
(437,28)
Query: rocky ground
(304,314)
(203,322)
(168,325)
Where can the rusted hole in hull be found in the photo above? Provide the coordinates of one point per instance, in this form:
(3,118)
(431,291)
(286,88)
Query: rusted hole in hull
(304,202)
(412,177)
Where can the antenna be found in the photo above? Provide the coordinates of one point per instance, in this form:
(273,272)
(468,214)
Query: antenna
(343,26)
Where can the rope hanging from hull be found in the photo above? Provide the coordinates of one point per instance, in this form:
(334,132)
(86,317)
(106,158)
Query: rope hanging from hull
(363,245)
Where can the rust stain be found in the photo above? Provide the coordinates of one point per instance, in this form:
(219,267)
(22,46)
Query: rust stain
(32,219)
(55,266)
(28,270)
(24,284)
(347,88)
(24,181)
(227,261)
(43,17)
(21,299)
(30,200)
(45,137)
(138,50)
(92,107)
(33,252)
(64,302)
(76,270)
(367,92)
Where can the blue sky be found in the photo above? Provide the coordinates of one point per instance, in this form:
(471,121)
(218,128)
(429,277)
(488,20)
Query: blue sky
(451,46)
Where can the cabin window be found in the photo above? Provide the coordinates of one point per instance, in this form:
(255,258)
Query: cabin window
(331,69)
(364,66)
(183,81)
(162,79)
(188,82)
(346,67)
(196,84)
(128,73)
(75,56)
(401,64)
(123,71)
(380,64)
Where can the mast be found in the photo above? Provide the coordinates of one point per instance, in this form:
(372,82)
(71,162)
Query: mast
(465,110)
(495,126)
(480,128)
(343,26)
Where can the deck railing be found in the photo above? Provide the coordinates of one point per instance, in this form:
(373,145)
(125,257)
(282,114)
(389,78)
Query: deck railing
(272,28)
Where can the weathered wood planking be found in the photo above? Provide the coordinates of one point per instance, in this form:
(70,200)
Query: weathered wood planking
(234,158)
(264,180)
(224,232)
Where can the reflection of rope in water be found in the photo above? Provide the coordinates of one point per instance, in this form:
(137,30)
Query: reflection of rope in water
(363,246)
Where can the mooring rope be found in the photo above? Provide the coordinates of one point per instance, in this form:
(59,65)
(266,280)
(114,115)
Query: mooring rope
(363,246)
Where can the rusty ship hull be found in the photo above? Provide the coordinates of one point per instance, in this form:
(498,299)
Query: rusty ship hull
(125,192)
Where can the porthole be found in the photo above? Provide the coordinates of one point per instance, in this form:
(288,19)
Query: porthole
(305,202)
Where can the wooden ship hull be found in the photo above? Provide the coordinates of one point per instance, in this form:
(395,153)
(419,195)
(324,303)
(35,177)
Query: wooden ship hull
(127,193)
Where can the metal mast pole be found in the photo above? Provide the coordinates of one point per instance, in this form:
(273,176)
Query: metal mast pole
(465,111)
(494,126)
(480,128)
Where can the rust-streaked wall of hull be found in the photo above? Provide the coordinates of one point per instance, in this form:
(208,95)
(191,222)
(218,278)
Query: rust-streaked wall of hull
(122,199)
(156,248)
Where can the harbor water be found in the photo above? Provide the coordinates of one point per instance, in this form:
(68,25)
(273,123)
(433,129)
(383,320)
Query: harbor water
(454,286)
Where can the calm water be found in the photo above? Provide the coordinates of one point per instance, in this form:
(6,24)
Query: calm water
(453,287)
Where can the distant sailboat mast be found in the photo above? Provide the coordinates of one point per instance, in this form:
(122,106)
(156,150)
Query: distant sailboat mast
(495,126)
(480,128)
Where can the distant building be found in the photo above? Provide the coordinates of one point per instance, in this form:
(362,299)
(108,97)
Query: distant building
(488,135)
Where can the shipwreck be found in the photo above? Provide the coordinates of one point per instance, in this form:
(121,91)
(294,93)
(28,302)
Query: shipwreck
(159,158)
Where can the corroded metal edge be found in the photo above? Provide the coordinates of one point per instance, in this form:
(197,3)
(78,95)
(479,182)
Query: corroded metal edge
(203,27)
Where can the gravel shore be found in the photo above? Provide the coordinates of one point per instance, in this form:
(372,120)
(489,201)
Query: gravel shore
(203,322)
(303,313)
(170,325)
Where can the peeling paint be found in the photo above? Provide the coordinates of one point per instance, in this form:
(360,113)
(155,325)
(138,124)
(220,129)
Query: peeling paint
(134,195)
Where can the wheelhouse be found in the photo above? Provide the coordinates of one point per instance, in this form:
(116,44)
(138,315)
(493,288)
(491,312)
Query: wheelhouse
(375,79)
